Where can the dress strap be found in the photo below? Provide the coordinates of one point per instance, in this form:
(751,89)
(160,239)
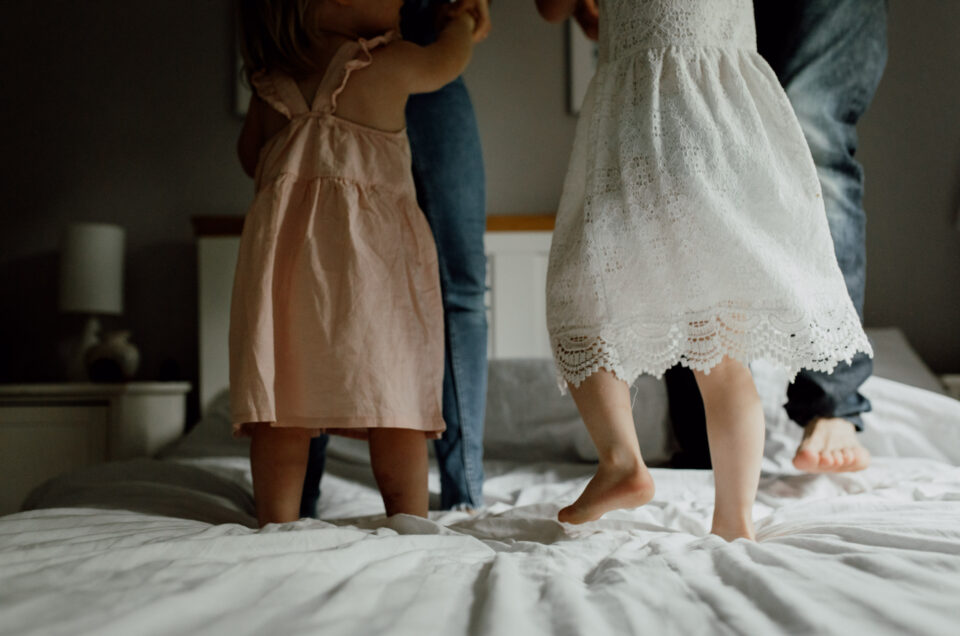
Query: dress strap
(281,92)
(352,56)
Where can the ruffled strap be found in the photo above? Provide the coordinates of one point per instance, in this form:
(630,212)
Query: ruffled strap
(280,91)
(352,56)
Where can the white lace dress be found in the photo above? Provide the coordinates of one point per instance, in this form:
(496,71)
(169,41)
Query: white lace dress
(691,224)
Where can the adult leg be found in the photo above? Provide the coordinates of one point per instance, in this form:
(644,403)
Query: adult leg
(399,460)
(311,482)
(688,419)
(735,428)
(622,479)
(829,55)
(448,171)
(278,461)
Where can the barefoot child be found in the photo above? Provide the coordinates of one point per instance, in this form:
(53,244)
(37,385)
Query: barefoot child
(336,322)
(691,230)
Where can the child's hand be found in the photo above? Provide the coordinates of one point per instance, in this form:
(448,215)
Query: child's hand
(479,10)
(587,16)
(424,69)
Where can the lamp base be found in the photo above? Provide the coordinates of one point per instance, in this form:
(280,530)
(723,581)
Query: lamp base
(114,359)
(75,350)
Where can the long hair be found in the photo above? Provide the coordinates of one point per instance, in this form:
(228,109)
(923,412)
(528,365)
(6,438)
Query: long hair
(275,35)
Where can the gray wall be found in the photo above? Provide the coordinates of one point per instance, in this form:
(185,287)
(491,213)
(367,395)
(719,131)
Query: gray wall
(118,112)
(121,112)
(910,149)
(518,81)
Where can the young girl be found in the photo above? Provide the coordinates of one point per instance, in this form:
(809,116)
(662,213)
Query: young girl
(691,230)
(336,322)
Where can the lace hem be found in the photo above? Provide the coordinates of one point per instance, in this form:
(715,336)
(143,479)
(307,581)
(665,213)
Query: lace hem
(701,342)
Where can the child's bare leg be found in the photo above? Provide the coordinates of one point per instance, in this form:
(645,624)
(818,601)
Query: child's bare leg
(399,459)
(278,460)
(735,430)
(622,479)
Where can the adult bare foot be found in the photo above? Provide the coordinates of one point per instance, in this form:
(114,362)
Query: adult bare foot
(830,445)
(612,488)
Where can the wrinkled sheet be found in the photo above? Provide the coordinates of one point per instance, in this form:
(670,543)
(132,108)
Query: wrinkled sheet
(873,552)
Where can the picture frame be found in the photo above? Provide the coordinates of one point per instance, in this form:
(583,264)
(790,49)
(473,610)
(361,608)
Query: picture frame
(582,56)
(241,90)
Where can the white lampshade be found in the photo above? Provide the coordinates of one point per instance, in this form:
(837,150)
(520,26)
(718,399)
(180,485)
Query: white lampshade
(91,269)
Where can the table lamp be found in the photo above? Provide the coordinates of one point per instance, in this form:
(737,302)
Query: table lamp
(91,283)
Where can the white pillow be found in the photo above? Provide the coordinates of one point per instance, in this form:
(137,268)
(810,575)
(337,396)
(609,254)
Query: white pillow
(528,419)
(212,435)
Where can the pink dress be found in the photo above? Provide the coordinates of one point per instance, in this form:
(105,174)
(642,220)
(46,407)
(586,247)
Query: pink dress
(336,321)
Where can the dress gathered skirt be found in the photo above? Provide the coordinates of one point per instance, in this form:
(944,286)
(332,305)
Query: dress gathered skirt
(691,224)
(336,320)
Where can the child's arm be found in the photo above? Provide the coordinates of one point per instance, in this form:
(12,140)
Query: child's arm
(251,137)
(481,13)
(424,69)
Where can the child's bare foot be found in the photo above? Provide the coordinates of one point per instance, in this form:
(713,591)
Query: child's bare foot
(830,445)
(612,488)
(734,530)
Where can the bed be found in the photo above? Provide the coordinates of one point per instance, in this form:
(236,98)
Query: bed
(169,545)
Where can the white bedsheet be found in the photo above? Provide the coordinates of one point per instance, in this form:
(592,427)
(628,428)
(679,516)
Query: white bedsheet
(874,552)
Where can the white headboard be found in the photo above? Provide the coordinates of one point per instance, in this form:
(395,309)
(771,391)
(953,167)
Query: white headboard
(517,249)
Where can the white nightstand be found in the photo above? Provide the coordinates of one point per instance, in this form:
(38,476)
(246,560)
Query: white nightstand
(48,429)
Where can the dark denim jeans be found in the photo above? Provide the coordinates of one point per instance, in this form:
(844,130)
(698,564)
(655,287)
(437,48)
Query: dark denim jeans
(448,172)
(829,56)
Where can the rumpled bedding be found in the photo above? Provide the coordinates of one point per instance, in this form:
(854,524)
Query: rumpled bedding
(170,547)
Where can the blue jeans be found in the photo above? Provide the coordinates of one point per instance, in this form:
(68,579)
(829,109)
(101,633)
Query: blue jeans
(449,176)
(829,56)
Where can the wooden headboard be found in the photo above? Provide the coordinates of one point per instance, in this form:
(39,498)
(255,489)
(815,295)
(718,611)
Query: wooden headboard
(517,247)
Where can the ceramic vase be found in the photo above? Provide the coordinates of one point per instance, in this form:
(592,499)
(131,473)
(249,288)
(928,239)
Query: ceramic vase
(115,359)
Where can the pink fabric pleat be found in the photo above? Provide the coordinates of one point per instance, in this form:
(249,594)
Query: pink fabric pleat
(336,320)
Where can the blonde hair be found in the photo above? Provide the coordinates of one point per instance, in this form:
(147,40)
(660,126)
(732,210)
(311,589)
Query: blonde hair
(275,35)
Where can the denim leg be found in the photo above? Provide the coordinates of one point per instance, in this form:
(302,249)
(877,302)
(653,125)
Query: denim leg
(311,481)
(829,55)
(448,171)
